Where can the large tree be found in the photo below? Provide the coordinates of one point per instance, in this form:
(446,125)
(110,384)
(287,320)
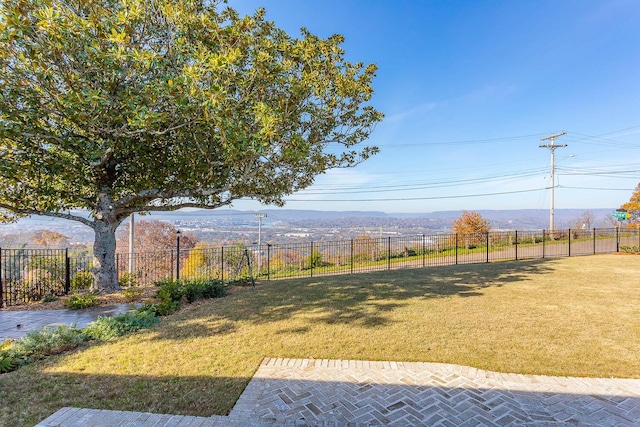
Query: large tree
(121,106)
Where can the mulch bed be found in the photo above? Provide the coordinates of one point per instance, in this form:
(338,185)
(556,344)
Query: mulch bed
(106,299)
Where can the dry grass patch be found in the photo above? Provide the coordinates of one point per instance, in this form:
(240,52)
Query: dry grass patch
(573,316)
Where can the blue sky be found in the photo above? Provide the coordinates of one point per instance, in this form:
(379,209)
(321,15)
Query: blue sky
(469,88)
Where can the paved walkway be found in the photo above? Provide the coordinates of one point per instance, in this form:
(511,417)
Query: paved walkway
(16,324)
(307,392)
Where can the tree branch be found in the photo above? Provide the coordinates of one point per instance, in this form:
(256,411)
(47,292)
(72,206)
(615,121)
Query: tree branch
(184,205)
(103,161)
(148,195)
(69,216)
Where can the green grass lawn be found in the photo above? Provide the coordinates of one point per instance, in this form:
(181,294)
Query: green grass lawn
(570,316)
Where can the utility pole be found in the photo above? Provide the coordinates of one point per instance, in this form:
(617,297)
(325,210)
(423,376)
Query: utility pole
(552,147)
(259,216)
(131,234)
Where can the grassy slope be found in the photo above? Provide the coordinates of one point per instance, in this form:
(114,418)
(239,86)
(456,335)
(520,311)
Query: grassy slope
(577,317)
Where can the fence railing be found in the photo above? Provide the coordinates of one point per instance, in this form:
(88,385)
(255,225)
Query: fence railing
(31,274)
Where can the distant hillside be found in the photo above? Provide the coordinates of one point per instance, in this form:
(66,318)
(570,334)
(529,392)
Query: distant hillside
(223,220)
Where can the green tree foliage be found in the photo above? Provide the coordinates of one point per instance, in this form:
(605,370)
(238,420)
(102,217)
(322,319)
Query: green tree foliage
(121,106)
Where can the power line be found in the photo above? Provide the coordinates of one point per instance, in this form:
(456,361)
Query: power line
(420,186)
(462,142)
(420,198)
(598,189)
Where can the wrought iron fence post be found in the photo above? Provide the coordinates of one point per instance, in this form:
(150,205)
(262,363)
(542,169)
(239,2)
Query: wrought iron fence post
(424,251)
(351,256)
(268,261)
(171,264)
(569,233)
(517,245)
(222,263)
(67,272)
(456,248)
(542,243)
(311,258)
(389,253)
(178,255)
(487,246)
(594,240)
(617,239)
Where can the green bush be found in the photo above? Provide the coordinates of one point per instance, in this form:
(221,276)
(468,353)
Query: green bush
(313,260)
(7,358)
(78,301)
(7,363)
(44,342)
(128,280)
(630,249)
(172,292)
(169,295)
(105,328)
(199,289)
(81,280)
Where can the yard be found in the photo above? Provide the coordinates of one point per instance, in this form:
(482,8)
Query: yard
(576,316)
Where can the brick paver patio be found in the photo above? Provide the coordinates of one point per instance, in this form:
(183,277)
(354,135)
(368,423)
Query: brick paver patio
(308,392)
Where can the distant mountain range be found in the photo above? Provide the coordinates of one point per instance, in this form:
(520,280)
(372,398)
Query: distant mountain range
(299,214)
(521,219)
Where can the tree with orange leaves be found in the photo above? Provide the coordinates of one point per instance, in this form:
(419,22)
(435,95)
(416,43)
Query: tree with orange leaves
(633,208)
(472,227)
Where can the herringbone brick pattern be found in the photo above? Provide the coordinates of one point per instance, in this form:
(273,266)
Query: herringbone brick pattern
(341,392)
(332,393)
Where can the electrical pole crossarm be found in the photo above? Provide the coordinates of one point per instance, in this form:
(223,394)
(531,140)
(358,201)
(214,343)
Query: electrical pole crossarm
(553,137)
(552,146)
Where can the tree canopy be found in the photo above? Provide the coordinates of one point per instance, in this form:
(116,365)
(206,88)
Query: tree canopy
(472,227)
(121,106)
(470,222)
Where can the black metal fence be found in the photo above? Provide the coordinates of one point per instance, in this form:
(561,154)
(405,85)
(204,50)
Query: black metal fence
(31,274)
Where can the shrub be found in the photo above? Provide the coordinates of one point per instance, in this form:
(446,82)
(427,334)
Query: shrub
(7,357)
(44,342)
(199,289)
(313,260)
(105,328)
(81,280)
(630,249)
(128,280)
(172,292)
(170,295)
(241,281)
(78,301)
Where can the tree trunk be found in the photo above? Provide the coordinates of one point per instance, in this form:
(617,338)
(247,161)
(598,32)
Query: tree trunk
(105,275)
